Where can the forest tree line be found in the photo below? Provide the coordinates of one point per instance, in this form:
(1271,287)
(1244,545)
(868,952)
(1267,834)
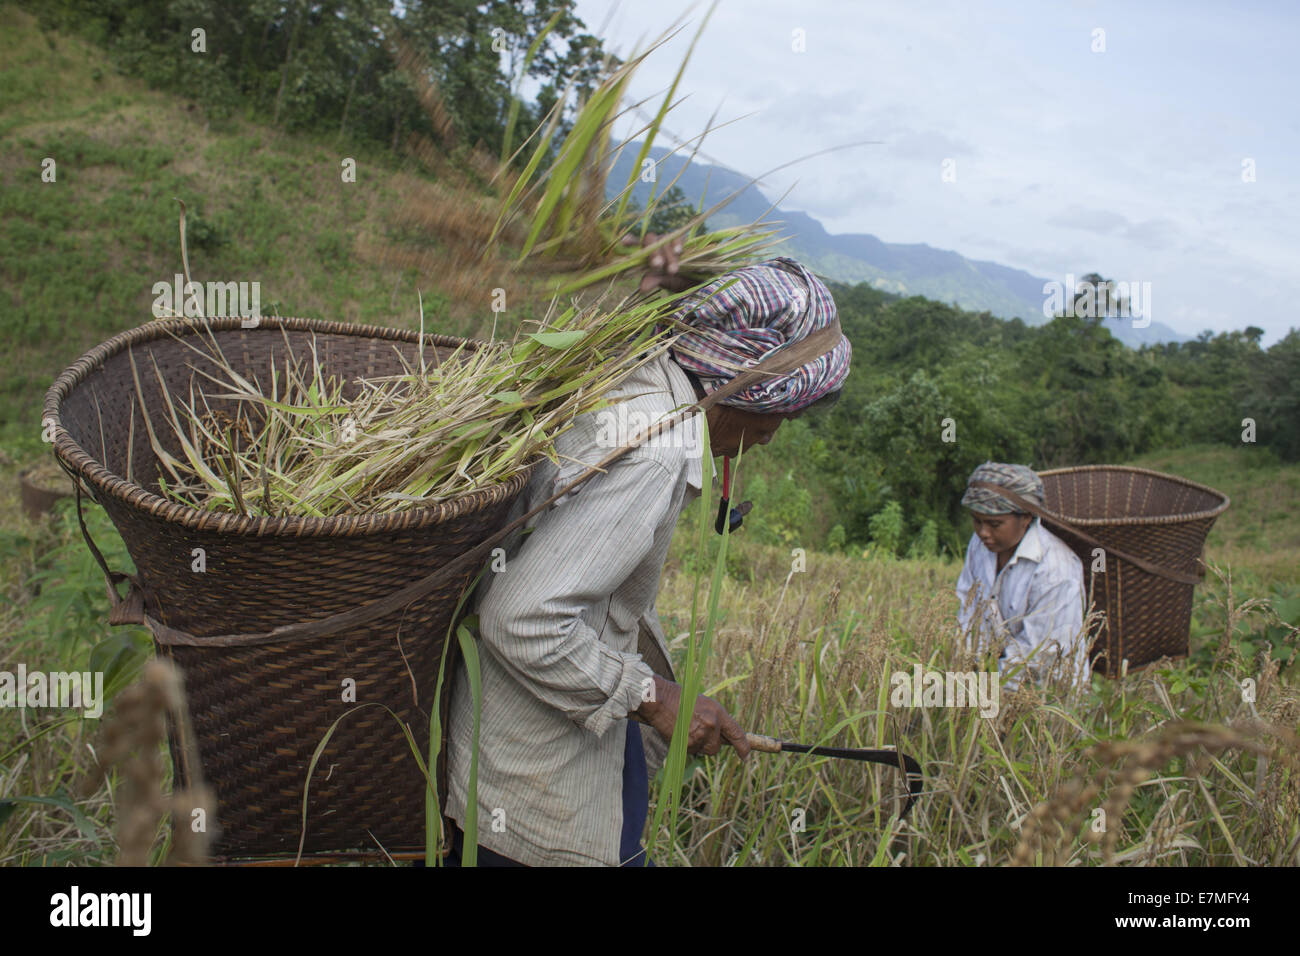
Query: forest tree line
(935,391)
(336,67)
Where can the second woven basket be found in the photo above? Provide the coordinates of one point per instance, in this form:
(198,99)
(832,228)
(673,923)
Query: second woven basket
(1164,520)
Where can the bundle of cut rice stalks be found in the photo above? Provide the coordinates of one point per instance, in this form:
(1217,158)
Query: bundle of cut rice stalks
(295,446)
(548,208)
(563,214)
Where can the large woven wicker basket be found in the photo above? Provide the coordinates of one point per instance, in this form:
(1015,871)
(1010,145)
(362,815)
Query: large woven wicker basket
(1161,519)
(259,710)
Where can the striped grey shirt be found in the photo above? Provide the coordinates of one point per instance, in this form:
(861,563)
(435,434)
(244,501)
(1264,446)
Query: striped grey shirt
(559,630)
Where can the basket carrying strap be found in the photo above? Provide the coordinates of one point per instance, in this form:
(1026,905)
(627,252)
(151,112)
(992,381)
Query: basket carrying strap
(134,608)
(128,610)
(1029,506)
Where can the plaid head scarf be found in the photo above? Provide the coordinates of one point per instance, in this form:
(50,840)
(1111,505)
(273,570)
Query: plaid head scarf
(767,306)
(1015,478)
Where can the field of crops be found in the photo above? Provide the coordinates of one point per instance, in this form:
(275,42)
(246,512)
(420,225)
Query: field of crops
(806,655)
(1165,766)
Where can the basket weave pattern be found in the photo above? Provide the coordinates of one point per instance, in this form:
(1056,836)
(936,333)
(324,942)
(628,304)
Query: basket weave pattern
(260,711)
(1161,518)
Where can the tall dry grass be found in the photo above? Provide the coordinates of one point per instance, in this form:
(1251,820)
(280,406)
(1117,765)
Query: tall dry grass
(131,744)
(1187,771)
(1170,765)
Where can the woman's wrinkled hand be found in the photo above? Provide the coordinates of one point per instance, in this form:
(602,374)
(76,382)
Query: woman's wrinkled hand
(664,264)
(711,725)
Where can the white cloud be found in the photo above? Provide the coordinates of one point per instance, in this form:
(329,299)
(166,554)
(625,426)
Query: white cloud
(1128,162)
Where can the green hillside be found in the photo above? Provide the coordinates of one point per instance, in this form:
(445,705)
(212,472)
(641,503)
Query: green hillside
(79,256)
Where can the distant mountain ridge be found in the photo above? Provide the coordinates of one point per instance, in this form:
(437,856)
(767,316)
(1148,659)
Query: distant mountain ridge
(908,269)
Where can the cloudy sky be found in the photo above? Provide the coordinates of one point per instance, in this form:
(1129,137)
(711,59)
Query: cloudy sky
(1129,161)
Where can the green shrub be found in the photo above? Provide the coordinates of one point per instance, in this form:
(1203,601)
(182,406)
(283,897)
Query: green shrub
(887,528)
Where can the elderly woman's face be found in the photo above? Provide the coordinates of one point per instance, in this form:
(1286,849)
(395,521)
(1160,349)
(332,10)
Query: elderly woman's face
(730,427)
(1000,533)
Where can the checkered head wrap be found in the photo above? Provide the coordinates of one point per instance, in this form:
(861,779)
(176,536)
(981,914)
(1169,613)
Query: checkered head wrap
(1015,478)
(767,306)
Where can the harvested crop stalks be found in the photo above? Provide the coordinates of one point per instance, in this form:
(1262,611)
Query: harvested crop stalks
(295,445)
(563,214)
(548,206)
(301,441)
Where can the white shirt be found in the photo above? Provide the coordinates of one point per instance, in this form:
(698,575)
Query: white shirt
(1035,603)
(559,629)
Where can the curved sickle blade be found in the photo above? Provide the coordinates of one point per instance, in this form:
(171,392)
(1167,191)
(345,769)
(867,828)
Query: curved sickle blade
(889,757)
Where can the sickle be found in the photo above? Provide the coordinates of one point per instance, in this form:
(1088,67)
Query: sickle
(888,756)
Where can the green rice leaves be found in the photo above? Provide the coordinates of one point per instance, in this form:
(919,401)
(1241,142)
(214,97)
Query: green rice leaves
(295,439)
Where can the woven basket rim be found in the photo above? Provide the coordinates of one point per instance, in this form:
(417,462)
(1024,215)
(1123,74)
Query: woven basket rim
(103,481)
(1214,512)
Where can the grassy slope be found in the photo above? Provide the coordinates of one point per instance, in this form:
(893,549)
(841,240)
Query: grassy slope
(79,257)
(1259,535)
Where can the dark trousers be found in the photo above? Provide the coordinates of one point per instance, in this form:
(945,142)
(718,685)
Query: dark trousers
(485,856)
